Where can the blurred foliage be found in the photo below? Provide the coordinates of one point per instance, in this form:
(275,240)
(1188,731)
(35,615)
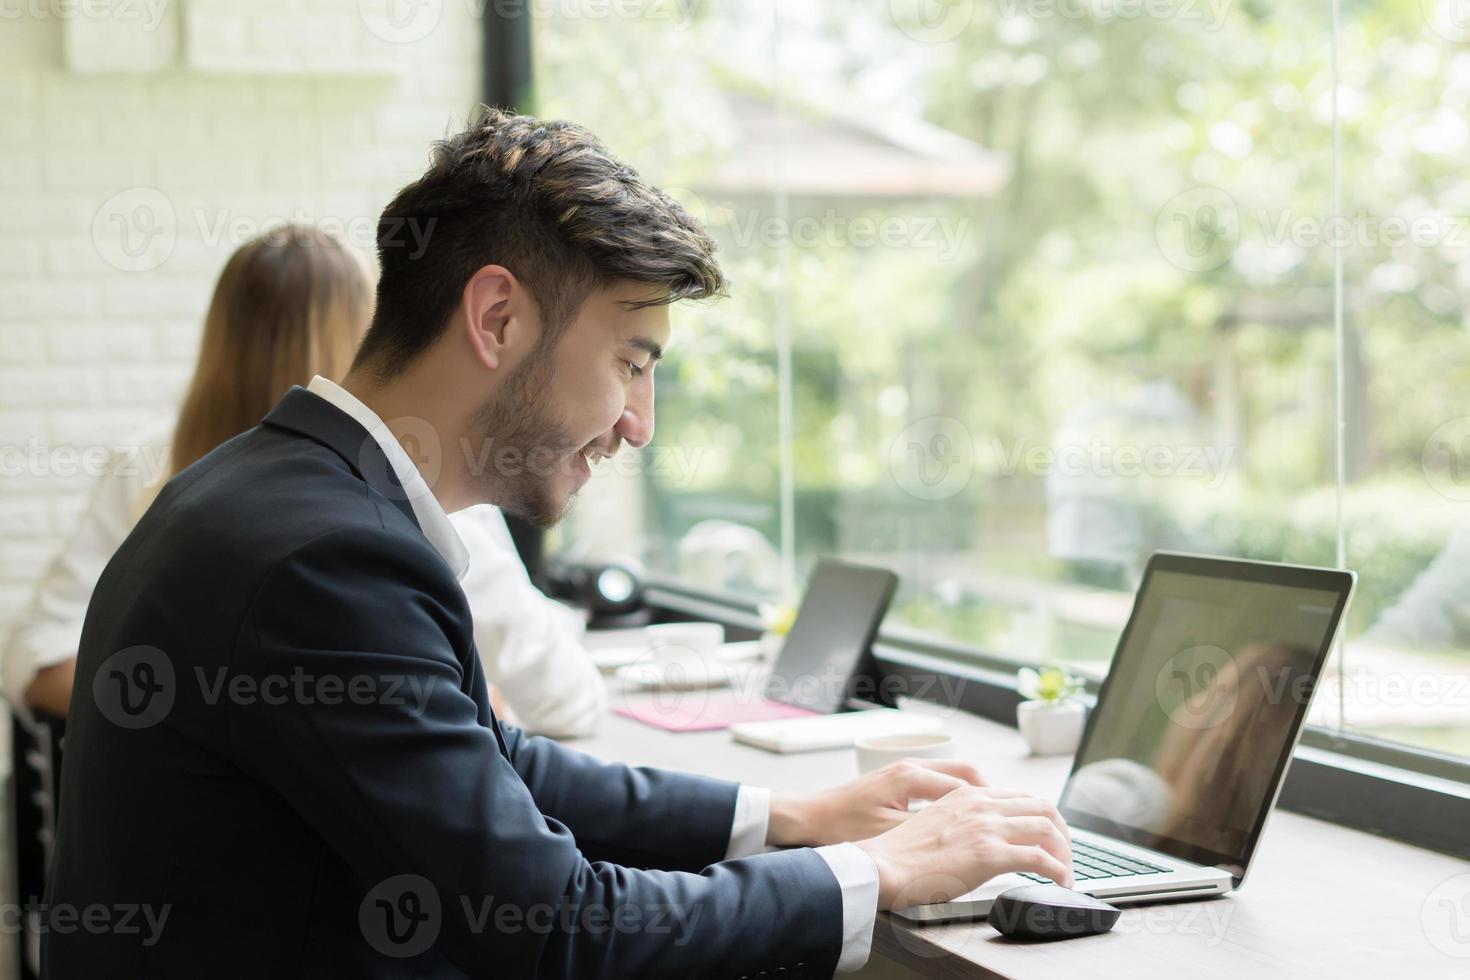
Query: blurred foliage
(1061,298)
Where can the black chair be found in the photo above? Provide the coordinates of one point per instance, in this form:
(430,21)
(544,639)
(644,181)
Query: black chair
(35,748)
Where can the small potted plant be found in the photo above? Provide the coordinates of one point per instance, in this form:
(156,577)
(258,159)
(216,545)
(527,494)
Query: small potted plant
(776,620)
(1050,719)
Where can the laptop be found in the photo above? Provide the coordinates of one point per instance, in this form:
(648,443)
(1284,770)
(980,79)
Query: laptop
(1184,753)
(826,666)
(827,669)
(827,661)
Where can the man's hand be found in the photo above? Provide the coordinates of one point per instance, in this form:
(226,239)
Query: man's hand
(965,839)
(867,806)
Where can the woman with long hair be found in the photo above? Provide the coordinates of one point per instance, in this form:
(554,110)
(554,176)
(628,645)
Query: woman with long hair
(289,304)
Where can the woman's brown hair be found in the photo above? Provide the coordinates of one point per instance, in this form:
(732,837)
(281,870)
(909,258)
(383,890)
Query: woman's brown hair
(289,304)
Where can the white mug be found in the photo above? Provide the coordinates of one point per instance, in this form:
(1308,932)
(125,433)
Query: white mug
(686,654)
(876,751)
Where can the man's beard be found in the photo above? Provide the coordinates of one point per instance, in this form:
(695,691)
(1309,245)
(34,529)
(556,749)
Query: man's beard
(522,444)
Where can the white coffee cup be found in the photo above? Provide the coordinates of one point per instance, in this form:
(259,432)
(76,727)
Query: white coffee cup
(876,751)
(677,640)
(686,654)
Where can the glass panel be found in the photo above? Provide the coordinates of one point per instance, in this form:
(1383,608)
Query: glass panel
(1084,342)
(1024,292)
(1406,82)
(701,502)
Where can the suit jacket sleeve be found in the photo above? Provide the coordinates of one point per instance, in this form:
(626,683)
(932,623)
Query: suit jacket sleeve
(381,747)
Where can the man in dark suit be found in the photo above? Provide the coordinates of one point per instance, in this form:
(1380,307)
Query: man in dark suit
(281,758)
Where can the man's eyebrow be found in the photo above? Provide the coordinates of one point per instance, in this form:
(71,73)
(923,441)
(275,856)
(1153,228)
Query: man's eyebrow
(652,347)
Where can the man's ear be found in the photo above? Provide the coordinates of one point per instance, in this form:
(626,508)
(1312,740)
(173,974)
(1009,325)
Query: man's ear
(496,317)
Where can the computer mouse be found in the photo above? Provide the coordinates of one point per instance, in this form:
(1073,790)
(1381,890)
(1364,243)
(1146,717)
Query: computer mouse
(1050,912)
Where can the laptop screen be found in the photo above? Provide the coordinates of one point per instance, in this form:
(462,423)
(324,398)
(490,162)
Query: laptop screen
(826,658)
(1198,717)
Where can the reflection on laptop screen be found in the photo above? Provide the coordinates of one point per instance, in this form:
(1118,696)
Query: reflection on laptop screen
(1200,711)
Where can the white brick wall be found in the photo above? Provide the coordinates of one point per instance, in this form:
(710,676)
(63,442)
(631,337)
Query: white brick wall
(99,120)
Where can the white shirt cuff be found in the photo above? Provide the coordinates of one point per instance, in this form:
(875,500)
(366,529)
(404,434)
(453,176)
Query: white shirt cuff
(857,876)
(752,818)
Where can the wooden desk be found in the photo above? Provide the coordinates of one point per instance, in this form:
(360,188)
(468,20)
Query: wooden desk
(1321,900)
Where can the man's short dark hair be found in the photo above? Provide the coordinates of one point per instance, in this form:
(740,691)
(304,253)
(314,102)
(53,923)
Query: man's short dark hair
(546,200)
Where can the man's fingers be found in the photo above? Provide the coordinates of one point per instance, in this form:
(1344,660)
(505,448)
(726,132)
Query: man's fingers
(1041,832)
(1029,806)
(953,767)
(1024,857)
(923,783)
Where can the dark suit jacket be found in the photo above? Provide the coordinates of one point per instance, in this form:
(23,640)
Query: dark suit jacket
(281,762)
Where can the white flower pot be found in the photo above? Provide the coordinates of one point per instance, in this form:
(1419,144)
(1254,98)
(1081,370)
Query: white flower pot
(1051,728)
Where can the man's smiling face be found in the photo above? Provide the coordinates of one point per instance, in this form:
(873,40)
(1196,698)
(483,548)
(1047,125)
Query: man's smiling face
(573,405)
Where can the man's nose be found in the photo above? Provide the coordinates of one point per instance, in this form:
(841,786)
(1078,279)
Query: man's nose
(636,424)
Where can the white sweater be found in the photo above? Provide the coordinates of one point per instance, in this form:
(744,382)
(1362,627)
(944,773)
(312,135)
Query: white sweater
(530,645)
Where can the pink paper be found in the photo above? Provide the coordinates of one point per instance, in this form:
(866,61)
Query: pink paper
(719,710)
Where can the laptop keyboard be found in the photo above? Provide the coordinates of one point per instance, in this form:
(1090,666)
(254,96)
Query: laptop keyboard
(1090,861)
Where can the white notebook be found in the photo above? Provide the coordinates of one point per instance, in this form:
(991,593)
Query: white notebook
(832,731)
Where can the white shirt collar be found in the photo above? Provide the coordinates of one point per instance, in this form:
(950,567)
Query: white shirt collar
(426,509)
